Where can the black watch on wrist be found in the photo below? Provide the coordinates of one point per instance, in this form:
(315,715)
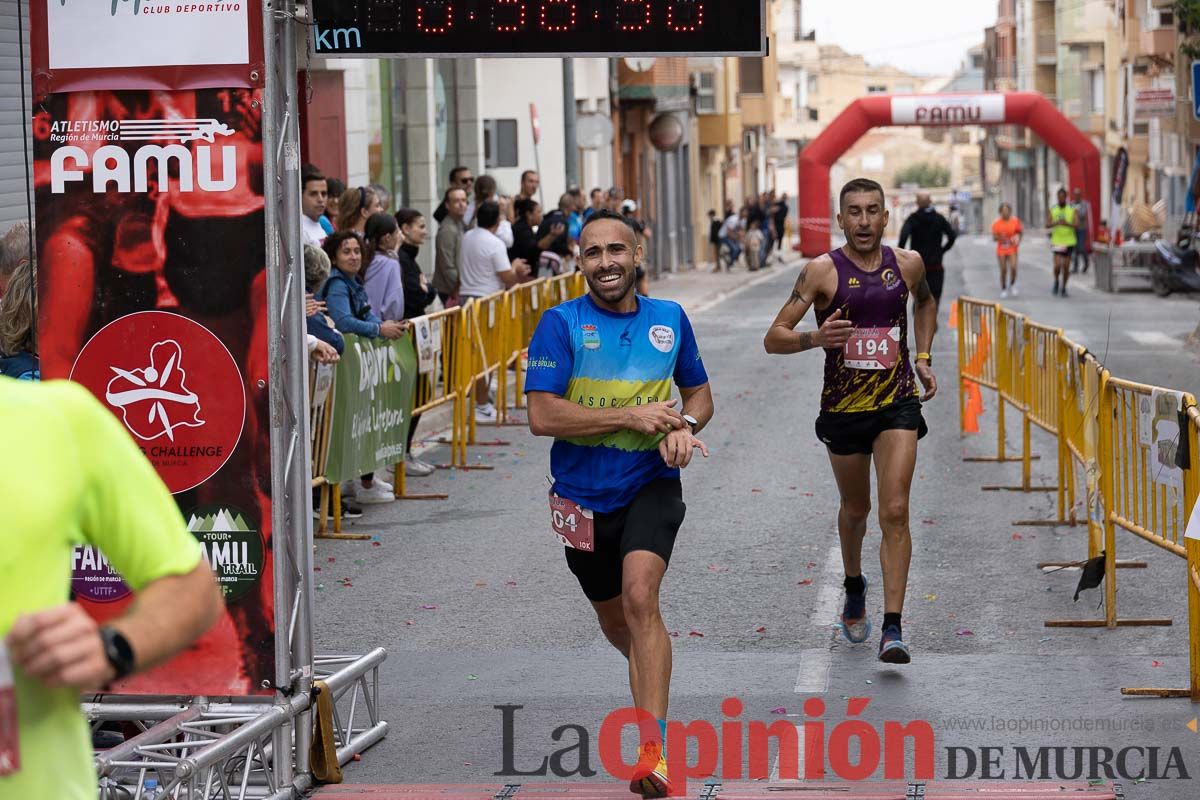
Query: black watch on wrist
(691,421)
(118,651)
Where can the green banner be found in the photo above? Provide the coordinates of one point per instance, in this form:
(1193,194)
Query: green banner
(373,393)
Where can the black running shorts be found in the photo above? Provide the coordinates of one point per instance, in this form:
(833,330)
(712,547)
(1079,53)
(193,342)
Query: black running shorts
(650,522)
(847,434)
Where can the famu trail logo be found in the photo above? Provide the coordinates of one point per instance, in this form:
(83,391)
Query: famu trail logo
(231,545)
(132,171)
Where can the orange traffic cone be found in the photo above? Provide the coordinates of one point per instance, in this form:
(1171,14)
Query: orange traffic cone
(953,323)
(974,407)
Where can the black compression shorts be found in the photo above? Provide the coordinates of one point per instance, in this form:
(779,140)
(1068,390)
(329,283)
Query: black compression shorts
(650,523)
(847,434)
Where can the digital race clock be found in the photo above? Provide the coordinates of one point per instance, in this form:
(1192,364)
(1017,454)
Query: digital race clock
(400,28)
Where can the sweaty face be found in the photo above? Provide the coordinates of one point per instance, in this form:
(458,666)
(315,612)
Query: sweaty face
(863,220)
(312,202)
(609,258)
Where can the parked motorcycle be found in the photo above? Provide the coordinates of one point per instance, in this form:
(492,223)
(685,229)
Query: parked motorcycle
(1176,267)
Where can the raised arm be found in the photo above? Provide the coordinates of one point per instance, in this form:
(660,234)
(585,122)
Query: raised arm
(817,279)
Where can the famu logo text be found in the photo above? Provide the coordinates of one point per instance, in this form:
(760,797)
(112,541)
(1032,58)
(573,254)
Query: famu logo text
(131,171)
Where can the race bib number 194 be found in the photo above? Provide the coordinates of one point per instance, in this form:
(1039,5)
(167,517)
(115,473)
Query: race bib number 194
(572,524)
(10,740)
(872,348)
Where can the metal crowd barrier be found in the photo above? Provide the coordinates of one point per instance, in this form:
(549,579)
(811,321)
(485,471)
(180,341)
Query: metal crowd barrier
(487,337)
(1136,446)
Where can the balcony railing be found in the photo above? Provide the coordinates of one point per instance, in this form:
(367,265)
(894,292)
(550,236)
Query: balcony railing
(1006,67)
(1047,47)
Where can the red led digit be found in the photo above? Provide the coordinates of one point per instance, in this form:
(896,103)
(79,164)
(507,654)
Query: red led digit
(557,21)
(508,16)
(439,19)
(633,15)
(685,16)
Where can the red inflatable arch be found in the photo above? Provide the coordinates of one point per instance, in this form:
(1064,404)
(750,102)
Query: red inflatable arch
(989,108)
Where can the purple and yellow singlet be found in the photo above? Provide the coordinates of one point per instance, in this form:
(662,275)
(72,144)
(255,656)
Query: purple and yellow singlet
(872,370)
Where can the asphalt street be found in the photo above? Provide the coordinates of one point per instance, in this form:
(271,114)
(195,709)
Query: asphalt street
(473,600)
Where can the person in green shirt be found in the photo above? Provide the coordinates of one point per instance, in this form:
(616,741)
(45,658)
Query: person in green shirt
(105,494)
(1061,222)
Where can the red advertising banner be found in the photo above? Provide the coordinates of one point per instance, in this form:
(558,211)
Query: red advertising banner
(88,45)
(152,293)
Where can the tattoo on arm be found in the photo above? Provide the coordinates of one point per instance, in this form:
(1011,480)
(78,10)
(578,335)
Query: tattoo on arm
(796,296)
(807,340)
(924,293)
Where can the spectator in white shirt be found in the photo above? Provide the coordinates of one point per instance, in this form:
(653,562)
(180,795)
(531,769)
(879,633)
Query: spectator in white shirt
(312,207)
(485,265)
(486,270)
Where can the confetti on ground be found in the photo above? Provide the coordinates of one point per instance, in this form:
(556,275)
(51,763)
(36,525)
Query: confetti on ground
(316,569)
(510,583)
(928,522)
(697,634)
(675,634)
(756,491)
(428,607)
(376,544)
(1016,537)
(804,582)
(1156,663)
(760,629)
(870,681)
(780,710)
(931,597)
(810,565)
(480,583)
(1045,638)
(808,494)
(331,559)
(472,677)
(410,622)
(964,632)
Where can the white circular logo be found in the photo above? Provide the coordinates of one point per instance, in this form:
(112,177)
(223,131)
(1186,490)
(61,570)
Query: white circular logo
(663,338)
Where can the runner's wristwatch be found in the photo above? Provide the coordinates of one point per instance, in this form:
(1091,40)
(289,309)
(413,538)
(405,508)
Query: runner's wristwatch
(118,652)
(692,422)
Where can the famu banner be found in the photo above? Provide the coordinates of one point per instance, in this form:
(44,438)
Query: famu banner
(373,394)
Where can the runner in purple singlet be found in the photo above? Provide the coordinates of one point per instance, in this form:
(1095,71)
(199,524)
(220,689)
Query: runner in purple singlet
(870,405)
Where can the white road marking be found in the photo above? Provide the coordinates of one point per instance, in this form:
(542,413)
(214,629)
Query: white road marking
(1154,339)
(813,675)
(799,759)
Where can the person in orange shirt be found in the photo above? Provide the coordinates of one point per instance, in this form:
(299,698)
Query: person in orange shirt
(1007,232)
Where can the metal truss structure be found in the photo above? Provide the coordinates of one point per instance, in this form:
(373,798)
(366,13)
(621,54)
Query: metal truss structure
(258,747)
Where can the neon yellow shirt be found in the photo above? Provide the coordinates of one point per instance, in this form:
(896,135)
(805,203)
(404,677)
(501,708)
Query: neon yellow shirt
(75,477)
(1060,236)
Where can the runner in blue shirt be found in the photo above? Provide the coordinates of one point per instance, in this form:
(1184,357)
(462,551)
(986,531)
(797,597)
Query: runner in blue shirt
(600,375)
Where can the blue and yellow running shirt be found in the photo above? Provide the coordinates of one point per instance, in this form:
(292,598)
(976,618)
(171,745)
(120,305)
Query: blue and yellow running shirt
(601,359)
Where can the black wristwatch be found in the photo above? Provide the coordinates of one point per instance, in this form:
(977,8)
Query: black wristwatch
(118,652)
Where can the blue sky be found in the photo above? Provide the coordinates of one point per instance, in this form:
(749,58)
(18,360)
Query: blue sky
(923,36)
